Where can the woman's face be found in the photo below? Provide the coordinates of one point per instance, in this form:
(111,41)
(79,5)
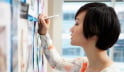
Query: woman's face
(77,36)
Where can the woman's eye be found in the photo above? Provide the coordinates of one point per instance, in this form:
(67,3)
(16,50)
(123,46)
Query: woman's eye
(76,23)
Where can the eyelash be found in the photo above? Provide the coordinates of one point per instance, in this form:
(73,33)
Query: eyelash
(76,23)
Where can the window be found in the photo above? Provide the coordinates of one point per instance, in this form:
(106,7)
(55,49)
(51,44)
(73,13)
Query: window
(68,51)
(69,10)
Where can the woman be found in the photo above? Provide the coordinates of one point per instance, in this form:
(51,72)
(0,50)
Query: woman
(96,29)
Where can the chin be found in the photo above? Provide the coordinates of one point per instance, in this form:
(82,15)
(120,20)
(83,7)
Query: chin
(73,44)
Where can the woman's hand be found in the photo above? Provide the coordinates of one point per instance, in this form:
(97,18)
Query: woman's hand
(43,24)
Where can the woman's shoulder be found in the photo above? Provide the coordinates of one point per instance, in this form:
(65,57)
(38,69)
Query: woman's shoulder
(81,60)
(112,68)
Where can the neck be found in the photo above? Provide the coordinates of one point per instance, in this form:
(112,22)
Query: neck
(97,58)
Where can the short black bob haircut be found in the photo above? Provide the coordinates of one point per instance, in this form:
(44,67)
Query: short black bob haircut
(101,21)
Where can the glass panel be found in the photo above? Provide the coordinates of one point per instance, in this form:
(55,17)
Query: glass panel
(118,53)
(69,10)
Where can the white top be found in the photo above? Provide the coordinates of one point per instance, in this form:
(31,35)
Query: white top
(67,65)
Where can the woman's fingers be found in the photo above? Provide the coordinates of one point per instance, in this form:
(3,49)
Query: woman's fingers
(43,24)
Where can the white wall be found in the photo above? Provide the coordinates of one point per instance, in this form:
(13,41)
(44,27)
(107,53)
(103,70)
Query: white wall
(55,7)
